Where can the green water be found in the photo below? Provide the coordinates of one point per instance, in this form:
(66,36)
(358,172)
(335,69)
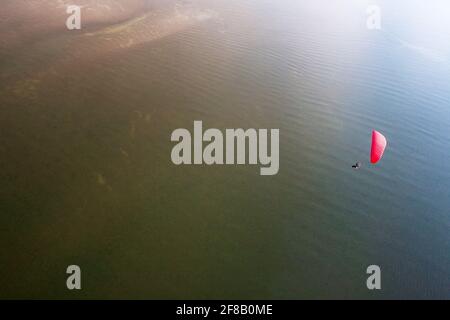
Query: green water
(87,179)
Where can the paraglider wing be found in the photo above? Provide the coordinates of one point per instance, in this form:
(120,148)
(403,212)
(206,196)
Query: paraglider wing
(378,146)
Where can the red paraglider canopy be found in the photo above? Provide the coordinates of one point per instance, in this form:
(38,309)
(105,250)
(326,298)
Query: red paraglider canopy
(378,146)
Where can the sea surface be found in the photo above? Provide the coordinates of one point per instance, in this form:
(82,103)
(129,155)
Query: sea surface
(86,176)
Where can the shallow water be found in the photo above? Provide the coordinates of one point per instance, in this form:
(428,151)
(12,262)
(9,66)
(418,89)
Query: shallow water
(85,124)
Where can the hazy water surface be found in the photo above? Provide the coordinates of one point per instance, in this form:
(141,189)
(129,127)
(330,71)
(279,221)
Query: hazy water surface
(86,175)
